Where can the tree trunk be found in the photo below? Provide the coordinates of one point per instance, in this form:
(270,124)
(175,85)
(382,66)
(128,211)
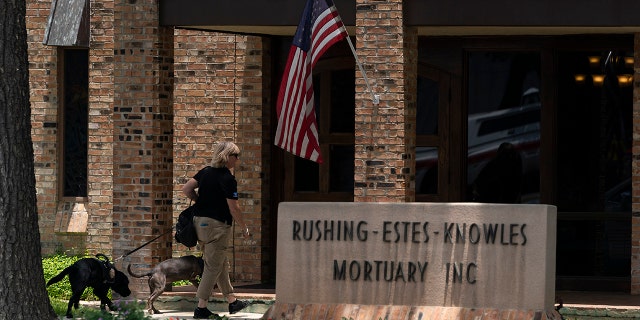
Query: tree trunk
(22,287)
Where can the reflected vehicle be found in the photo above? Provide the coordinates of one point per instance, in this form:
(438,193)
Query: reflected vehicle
(426,170)
(618,198)
(519,126)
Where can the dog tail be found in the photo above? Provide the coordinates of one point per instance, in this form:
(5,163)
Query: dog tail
(133,274)
(59,277)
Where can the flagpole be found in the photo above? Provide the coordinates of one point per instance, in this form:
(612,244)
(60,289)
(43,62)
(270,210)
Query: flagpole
(374,97)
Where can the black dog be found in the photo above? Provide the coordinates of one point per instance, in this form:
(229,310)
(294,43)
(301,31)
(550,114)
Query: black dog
(168,271)
(101,275)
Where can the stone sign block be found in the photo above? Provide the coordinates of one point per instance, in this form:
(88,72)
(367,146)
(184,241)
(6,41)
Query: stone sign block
(465,255)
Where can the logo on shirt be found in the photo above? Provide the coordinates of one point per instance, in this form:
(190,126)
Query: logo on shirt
(235,194)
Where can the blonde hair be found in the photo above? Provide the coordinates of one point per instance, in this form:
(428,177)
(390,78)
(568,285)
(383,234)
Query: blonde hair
(221,153)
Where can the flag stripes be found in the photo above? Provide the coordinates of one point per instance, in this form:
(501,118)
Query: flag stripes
(297,131)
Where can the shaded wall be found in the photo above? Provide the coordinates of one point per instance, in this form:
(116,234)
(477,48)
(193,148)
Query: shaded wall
(221,95)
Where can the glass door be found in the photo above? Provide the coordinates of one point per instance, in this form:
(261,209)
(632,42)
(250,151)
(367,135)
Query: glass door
(595,96)
(503,127)
(432,138)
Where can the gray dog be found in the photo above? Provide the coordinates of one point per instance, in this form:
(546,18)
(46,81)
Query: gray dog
(168,271)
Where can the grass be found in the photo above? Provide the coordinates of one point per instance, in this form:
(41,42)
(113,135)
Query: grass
(59,306)
(125,310)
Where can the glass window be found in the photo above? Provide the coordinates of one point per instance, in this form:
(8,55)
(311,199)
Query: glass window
(341,168)
(428,101)
(430,85)
(594,141)
(306,177)
(503,137)
(595,102)
(334,97)
(342,101)
(75,121)
(426,170)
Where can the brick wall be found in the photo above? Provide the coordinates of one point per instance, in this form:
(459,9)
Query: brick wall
(252,135)
(142,134)
(385,134)
(54,218)
(133,174)
(219,95)
(130,97)
(100,144)
(44,119)
(43,70)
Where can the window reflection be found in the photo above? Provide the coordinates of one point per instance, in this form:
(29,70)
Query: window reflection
(594,142)
(334,98)
(426,170)
(427,102)
(343,101)
(75,119)
(341,168)
(306,177)
(427,116)
(503,136)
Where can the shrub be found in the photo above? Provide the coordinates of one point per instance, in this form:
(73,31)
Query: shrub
(54,264)
(181,283)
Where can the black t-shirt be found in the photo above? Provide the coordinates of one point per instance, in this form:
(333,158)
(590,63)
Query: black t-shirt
(215,186)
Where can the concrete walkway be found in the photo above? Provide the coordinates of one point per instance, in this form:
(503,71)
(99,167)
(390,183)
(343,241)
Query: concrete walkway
(575,304)
(180,303)
(176,314)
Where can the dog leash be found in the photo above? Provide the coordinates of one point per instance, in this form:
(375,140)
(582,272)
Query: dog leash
(142,246)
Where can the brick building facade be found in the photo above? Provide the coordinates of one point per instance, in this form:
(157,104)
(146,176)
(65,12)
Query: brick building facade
(156,108)
(160,96)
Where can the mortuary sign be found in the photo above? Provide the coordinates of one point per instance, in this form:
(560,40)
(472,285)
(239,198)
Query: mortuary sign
(466,255)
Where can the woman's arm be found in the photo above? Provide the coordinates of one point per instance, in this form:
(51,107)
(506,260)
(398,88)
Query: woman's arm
(236,213)
(189,189)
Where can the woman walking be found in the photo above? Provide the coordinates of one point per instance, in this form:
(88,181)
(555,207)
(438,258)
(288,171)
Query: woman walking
(216,203)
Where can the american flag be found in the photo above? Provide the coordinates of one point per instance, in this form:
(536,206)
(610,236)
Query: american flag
(319,28)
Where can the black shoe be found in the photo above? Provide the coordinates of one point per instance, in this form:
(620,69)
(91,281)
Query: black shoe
(237,306)
(202,313)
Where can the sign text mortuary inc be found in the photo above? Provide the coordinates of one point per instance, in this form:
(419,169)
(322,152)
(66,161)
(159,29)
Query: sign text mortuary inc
(431,254)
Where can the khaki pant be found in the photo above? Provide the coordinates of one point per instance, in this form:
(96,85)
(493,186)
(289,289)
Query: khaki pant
(213,236)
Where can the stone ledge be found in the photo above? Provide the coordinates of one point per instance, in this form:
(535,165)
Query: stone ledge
(378,312)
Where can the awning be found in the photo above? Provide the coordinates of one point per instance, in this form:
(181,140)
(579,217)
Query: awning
(68,24)
(430,17)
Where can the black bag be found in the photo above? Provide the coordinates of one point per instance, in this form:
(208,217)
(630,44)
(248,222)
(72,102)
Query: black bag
(185,230)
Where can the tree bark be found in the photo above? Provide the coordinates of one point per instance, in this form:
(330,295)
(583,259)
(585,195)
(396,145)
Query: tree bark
(22,288)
